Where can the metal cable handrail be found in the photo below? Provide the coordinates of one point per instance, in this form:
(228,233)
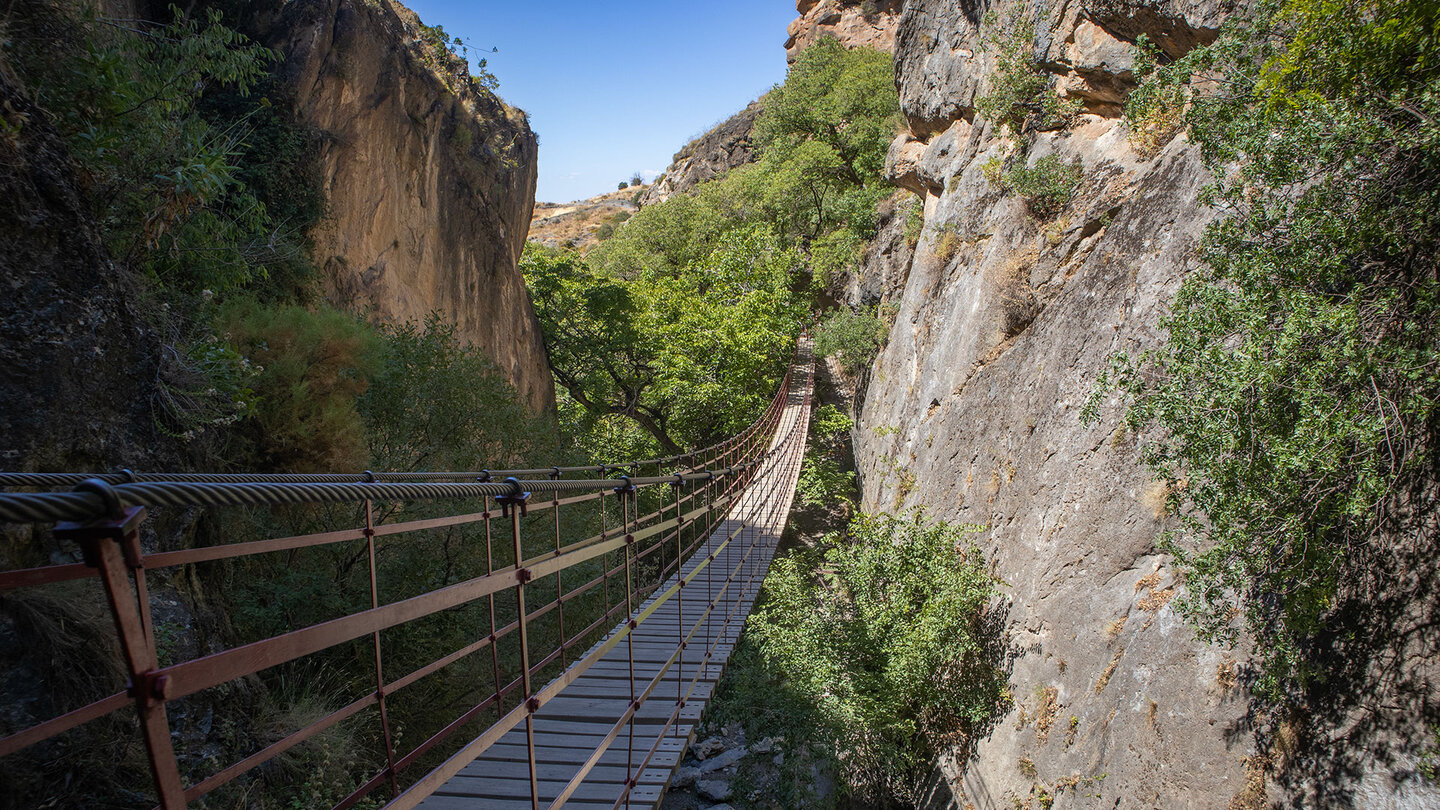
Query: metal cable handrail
(126,476)
(100,498)
(114,505)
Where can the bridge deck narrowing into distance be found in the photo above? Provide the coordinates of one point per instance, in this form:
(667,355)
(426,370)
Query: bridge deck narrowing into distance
(720,584)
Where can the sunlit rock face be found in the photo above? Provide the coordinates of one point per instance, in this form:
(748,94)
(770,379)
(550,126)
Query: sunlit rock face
(1002,322)
(429,180)
(718,151)
(870,23)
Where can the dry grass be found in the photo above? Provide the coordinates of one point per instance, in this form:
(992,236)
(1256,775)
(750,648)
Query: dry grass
(1148,581)
(1156,498)
(1047,703)
(1104,679)
(947,245)
(1112,630)
(1225,676)
(1154,600)
(1010,282)
(1252,794)
(575,224)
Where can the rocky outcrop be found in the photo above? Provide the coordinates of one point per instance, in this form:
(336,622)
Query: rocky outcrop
(972,411)
(581,224)
(429,179)
(708,156)
(79,367)
(856,23)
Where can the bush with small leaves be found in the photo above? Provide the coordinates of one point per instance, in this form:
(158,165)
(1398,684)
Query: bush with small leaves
(850,337)
(887,650)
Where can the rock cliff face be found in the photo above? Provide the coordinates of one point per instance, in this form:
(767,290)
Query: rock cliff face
(78,365)
(972,411)
(429,179)
(870,23)
(708,156)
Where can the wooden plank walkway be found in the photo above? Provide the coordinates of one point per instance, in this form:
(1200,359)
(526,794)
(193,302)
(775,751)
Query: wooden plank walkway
(571,726)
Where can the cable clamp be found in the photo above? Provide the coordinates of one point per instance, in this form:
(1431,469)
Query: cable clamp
(626,488)
(510,500)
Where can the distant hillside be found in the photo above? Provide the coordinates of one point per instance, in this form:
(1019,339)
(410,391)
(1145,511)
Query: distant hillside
(579,224)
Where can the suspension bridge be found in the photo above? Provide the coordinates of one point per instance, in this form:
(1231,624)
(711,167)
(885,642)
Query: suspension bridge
(657,574)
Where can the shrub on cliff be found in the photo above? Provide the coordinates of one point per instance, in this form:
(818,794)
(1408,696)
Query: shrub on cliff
(881,651)
(1020,91)
(1299,390)
(852,338)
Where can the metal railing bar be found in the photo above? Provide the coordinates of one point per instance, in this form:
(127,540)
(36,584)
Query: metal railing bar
(59,725)
(229,774)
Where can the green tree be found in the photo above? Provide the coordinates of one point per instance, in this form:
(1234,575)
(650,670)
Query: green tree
(886,647)
(689,356)
(1298,388)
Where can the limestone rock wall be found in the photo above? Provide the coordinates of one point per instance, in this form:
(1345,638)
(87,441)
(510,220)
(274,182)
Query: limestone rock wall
(869,23)
(708,156)
(972,411)
(78,363)
(429,179)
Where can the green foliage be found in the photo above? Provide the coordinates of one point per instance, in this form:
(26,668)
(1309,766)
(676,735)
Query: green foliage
(822,136)
(853,338)
(191,175)
(691,355)
(839,99)
(1429,766)
(446,54)
(1047,186)
(1020,91)
(823,482)
(206,387)
(1297,391)
(834,254)
(434,402)
(624,184)
(312,365)
(829,425)
(886,649)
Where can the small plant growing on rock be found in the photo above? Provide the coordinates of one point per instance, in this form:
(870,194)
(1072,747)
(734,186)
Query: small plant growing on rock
(1047,186)
(1155,110)
(1020,91)
(914,222)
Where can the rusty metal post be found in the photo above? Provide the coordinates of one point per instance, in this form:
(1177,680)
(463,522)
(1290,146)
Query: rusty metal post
(379,662)
(494,638)
(679,595)
(112,545)
(559,581)
(627,493)
(514,505)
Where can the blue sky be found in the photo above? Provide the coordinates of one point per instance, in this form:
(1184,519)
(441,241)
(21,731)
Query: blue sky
(614,88)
